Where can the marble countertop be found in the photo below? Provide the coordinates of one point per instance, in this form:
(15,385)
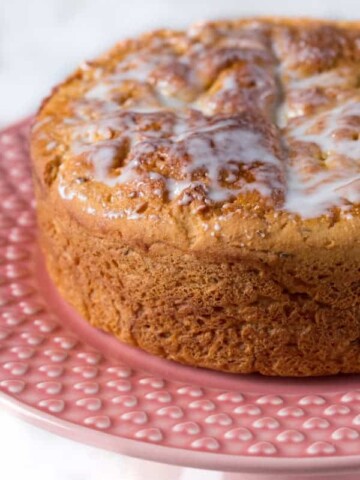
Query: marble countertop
(41,42)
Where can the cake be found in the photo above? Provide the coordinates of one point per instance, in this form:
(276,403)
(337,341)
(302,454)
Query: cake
(198,194)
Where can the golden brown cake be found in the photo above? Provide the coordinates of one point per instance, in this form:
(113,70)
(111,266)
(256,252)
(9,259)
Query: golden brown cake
(198,194)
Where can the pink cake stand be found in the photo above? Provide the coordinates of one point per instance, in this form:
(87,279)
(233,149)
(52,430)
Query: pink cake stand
(61,374)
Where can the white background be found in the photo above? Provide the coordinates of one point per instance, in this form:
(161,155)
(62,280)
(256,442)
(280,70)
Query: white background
(41,41)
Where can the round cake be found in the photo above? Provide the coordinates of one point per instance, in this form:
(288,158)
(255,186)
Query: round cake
(198,194)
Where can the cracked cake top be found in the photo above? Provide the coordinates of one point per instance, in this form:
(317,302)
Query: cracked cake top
(256,115)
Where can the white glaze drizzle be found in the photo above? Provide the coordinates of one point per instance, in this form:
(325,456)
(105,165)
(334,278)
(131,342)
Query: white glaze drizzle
(137,69)
(309,195)
(326,138)
(211,147)
(335,183)
(332,78)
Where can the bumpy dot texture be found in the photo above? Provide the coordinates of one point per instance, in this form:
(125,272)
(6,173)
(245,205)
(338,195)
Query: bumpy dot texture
(48,364)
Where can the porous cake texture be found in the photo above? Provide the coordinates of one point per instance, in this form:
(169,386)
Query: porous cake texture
(198,194)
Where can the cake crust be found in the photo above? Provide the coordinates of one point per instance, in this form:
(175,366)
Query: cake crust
(198,194)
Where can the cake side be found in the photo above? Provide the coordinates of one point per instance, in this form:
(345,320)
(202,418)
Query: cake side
(207,210)
(235,313)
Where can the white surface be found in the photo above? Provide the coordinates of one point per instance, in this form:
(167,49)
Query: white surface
(40,42)
(33,454)
(43,40)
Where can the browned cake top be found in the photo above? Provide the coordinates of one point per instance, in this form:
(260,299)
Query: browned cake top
(252,114)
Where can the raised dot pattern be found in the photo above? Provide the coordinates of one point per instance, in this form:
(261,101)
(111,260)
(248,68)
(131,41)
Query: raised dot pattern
(48,367)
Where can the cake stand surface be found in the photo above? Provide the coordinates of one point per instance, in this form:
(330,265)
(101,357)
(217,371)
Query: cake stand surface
(61,374)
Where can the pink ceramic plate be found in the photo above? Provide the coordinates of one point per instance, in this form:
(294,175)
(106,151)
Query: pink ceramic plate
(60,373)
